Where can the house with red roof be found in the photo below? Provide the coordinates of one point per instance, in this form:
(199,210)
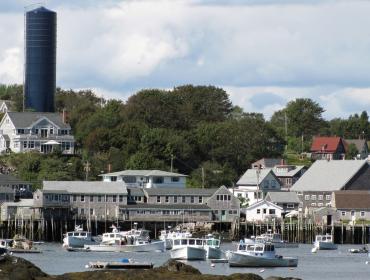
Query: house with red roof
(328,148)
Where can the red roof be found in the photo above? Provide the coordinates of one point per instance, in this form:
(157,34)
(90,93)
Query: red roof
(325,144)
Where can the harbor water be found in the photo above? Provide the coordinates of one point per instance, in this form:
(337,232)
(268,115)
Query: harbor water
(335,264)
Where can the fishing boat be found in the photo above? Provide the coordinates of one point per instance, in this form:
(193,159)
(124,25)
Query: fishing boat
(274,238)
(121,245)
(363,250)
(188,249)
(212,247)
(259,255)
(19,244)
(169,235)
(324,242)
(78,238)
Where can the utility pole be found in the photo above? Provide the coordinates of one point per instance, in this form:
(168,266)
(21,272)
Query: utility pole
(171,162)
(87,169)
(286,131)
(203,178)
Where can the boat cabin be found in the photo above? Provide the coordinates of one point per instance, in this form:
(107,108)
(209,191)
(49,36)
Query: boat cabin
(188,242)
(257,248)
(212,242)
(79,234)
(324,238)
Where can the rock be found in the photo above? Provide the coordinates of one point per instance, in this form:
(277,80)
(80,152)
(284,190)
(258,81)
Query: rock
(176,266)
(282,278)
(14,268)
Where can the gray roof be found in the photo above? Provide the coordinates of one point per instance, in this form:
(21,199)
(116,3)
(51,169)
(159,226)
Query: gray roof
(94,187)
(135,191)
(144,173)
(290,173)
(26,119)
(180,191)
(326,175)
(7,179)
(267,162)
(283,197)
(168,206)
(359,143)
(250,176)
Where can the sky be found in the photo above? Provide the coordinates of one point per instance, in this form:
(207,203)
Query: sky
(264,53)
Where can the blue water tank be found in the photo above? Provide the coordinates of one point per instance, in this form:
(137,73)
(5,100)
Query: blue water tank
(40,60)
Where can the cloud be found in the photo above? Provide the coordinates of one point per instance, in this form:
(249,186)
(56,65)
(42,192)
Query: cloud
(264,52)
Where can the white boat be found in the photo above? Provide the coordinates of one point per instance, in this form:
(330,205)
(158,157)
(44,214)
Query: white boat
(212,246)
(324,242)
(259,255)
(363,250)
(137,246)
(169,235)
(188,249)
(274,238)
(77,238)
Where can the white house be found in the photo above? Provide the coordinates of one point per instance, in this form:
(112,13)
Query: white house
(28,131)
(255,183)
(147,178)
(5,106)
(263,210)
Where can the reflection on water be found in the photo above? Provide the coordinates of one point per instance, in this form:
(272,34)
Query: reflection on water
(337,264)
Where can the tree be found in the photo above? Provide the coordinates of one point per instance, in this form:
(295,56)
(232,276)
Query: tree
(352,151)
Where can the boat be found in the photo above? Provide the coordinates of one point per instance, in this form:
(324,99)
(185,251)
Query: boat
(19,244)
(363,250)
(212,247)
(122,264)
(78,238)
(169,235)
(259,255)
(274,238)
(188,249)
(122,246)
(324,242)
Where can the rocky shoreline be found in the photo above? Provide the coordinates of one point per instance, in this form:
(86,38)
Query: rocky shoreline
(16,268)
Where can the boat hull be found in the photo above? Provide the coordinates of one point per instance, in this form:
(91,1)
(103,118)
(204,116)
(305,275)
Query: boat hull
(245,260)
(188,253)
(153,246)
(325,245)
(74,242)
(214,253)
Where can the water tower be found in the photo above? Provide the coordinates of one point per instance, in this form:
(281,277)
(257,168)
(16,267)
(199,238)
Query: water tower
(40,59)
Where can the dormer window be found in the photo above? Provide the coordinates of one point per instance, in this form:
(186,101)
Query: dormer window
(20,131)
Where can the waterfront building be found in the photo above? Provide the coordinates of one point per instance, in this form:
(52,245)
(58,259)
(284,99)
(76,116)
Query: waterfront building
(35,131)
(315,187)
(21,210)
(147,178)
(288,201)
(263,210)
(351,206)
(255,183)
(19,187)
(6,194)
(95,200)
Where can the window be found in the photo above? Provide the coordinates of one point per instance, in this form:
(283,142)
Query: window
(307,197)
(272,211)
(158,199)
(313,204)
(167,199)
(91,198)
(114,198)
(91,211)
(344,213)
(74,197)
(230,211)
(362,213)
(183,199)
(51,131)
(24,144)
(264,210)
(258,211)
(266,183)
(99,198)
(200,199)
(121,198)
(82,199)
(290,206)
(313,197)
(328,197)
(21,131)
(175,179)
(353,213)
(320,204)
(321,197)
(31,144)
(239,195)
(82,211)
(158,180)
(175,199)
(192,199)
(217,197)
